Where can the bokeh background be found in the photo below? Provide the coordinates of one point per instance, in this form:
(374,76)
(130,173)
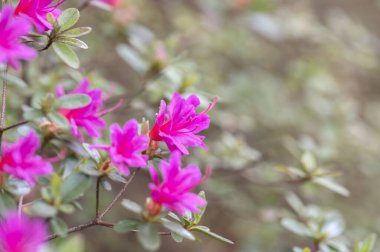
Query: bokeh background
(291,76)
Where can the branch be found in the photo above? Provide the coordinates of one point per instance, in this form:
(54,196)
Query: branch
(97,197)
(3,106)
(14,126)
(72,230)
(119,195)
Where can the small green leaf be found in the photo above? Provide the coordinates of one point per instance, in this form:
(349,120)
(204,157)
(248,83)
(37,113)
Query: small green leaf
(177,228)
(367,245)
(50,18)
(198,216)
(332,185)
(74,42)
(77,32)
(73,101)
(58,226)
(68,18)
(56,184)
(66,54)
(67,208)
(131,206)
(148,236)
(296,227)
(127,225)
(6,202)
(308,161)
(43,209)
(94,154)
(117,177)
(58,119)
(74,186)
(206,231)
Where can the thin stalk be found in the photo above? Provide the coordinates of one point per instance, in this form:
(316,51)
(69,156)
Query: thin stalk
(3,107)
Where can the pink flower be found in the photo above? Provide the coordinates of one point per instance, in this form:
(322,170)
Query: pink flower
(19,159)
(87,117)
(174,190)
(21,234)
(36,11)
(11,30)
(126,146)
(178,123)
(112,3)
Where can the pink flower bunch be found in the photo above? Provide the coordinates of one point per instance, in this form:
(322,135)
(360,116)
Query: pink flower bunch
(37,10)
(21,234)
(174,191)
(178,123)
(20,159)
(87,117)
(126,147)
(11,30)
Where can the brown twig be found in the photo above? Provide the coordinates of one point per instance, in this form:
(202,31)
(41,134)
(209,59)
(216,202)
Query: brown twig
(119,195)
(14,125)
(3,106)
(97,197)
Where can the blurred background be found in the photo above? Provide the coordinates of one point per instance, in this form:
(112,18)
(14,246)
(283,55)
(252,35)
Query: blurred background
(296,81)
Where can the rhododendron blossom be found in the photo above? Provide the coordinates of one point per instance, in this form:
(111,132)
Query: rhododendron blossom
(11,30)
(87,117)
(37,10)
(112,3)
(174,190)
(178,123)
(126,147)
(21,234)
(20,160)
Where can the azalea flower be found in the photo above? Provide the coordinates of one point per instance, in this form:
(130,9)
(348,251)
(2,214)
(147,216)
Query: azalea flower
(11,30)
(87,117)
(174,191)
(20,160)
(126,147)
(21,234)
(178,123)
(112,3)
(37,10)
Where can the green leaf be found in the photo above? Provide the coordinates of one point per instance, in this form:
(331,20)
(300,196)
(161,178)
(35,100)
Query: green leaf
(148,236)
(176,228)
(296,227)
(6,202)
(132,58)
(308,161)
(131,206)
(367,245)
(198,216)
(127,225)
(176,237)
(206,231)
(72,244)
(56,184)
(66,54)
(68,18)
(67,208)
(58,226)
(117,177)
(58,119)
(73,101)
(94,154)
(332,186)
(17,187)
(74,186)
(43,209)
(14,80)
(74,42)
(77,32)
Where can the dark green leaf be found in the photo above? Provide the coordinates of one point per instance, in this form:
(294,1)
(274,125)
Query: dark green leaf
(43,209)
(6,202)
(17,187)
(131,206)
(58,119)
(74,186)
(14,80)
(198,216)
